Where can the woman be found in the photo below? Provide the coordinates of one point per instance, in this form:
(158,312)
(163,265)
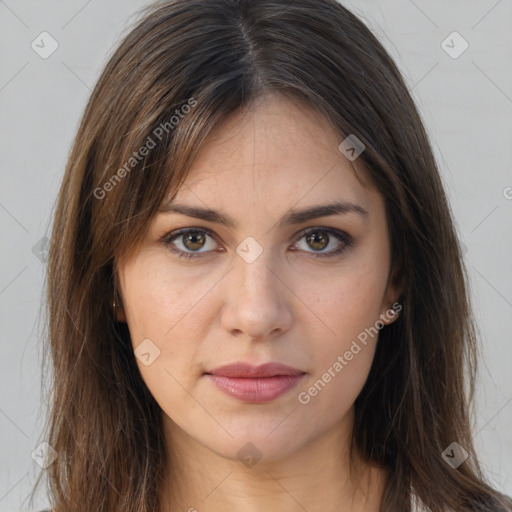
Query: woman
(256,296)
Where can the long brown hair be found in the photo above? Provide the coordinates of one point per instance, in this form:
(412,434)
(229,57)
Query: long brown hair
(180,72)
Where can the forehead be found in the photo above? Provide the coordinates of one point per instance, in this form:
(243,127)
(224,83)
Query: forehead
(278,144)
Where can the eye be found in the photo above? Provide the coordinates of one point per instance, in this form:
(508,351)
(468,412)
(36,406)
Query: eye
(192,242)
(188,243)
(325,242)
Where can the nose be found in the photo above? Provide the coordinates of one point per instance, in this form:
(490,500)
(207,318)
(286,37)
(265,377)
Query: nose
(257,302)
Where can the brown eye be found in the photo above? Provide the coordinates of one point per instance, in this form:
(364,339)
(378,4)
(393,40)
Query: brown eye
(190,243)
(318,240)
(194,241)
(323,243)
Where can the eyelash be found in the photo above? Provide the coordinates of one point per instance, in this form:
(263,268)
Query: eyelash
(343,237)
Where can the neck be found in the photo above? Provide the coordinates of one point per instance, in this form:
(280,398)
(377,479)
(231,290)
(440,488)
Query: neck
(320,476)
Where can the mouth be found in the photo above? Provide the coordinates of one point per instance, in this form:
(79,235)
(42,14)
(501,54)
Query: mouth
(255,384)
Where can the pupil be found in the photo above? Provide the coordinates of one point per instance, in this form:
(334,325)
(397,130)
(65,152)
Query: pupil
(318,242)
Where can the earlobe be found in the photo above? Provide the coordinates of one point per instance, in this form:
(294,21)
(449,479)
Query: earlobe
(394,299)
(120,316)
(391,314)
(118,311)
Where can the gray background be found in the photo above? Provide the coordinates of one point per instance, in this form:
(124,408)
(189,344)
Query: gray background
(466,103)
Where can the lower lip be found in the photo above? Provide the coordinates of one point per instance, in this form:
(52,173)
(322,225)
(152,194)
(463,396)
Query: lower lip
(256,390)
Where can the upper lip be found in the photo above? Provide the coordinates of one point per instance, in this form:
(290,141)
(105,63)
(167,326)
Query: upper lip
(241,369)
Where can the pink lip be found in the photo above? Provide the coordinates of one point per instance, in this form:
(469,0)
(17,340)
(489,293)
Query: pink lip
(242,369)
(256,384)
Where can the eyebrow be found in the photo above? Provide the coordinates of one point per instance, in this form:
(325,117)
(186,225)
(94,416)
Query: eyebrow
(292,217)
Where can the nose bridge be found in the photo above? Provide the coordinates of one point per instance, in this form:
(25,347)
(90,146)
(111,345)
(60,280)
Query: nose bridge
(255,305)
(253,269)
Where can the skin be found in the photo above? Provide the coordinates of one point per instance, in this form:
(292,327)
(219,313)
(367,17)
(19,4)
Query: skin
(287,306)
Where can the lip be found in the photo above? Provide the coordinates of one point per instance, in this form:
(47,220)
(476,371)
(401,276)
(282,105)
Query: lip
(255,384)
(247,370)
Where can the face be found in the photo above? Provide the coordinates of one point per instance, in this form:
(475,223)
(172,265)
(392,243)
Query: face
(264,279)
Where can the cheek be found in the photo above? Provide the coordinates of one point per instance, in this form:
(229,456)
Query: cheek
(330,394)
(343,355)
(348,306)
(159,302)
(169,313)
(351,312)
(345,302)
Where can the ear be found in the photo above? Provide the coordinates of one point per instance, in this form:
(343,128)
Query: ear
(391,305)
(120,314)
(117,300)
(118,308)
